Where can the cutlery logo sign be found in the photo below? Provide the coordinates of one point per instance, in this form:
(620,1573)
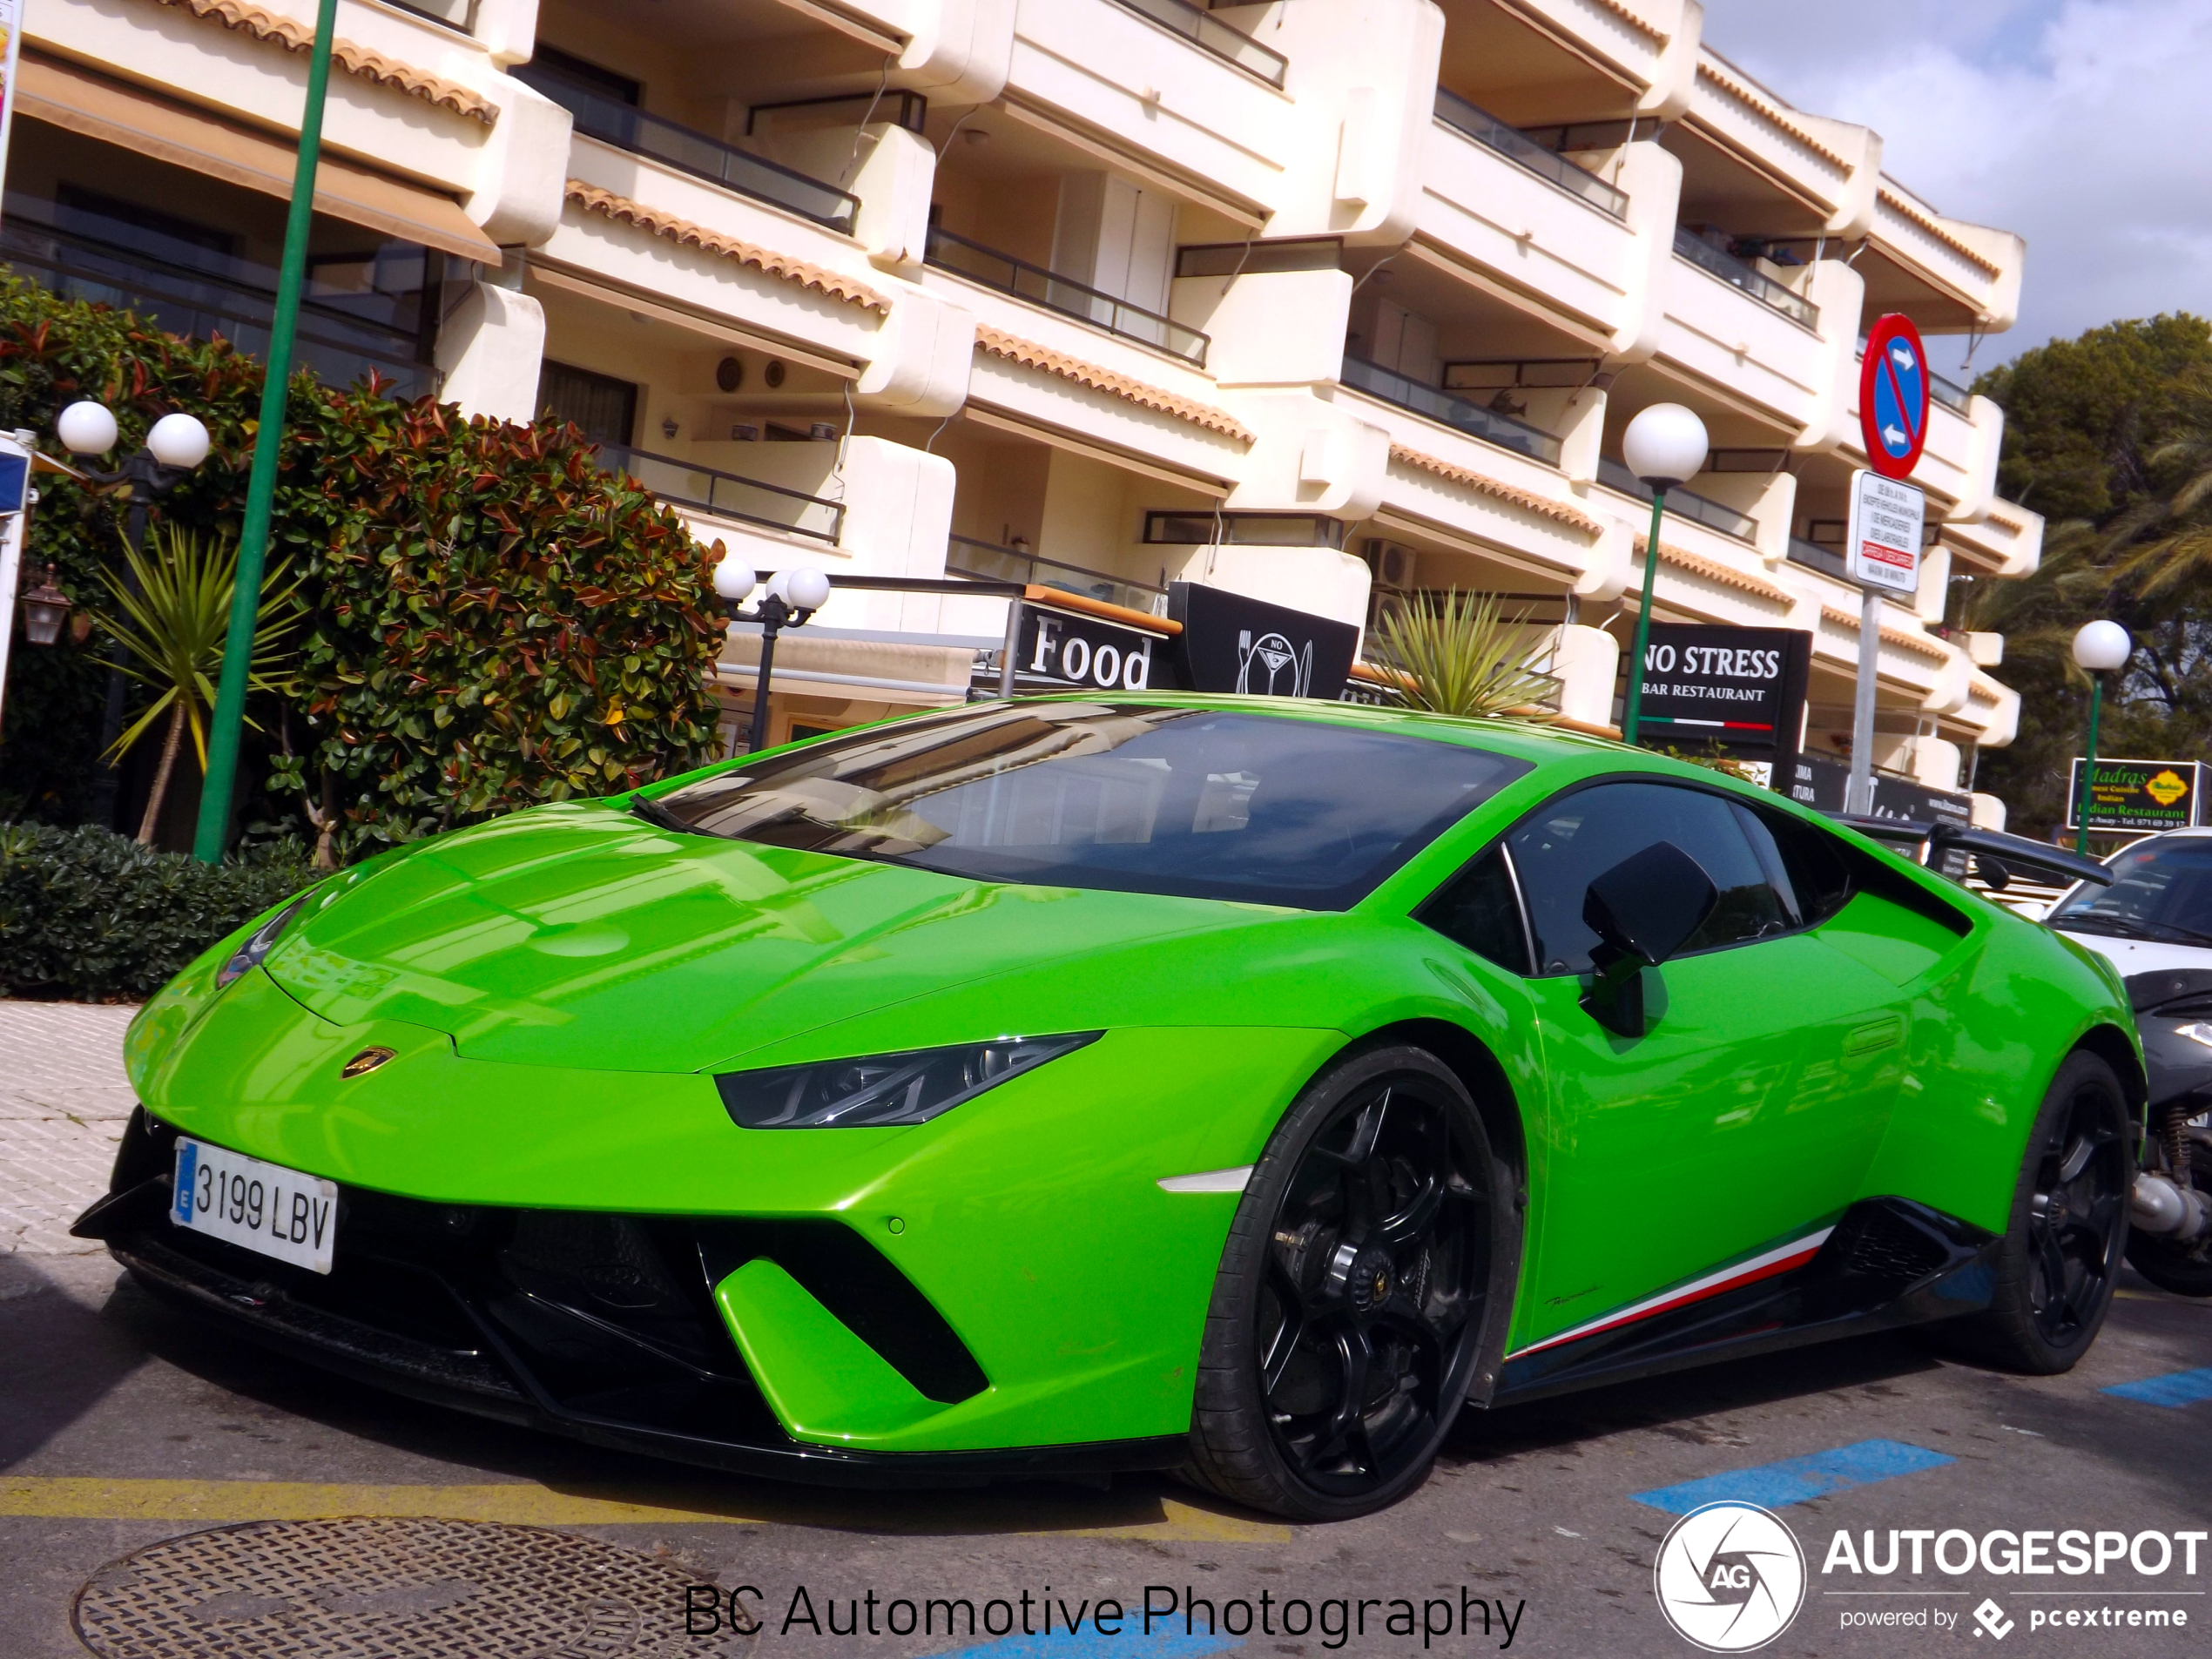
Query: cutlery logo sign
(1272,653)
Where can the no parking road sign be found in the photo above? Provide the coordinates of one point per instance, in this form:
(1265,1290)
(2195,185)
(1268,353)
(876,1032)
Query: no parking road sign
(1893,397)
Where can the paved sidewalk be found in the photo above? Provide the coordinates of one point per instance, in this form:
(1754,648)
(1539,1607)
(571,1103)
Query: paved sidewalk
(63,1100)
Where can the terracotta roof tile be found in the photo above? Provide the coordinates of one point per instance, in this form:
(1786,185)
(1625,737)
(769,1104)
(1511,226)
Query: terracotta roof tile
(1918,644)
(1745,96)
(1713,571)
(1929,223)
(998,343)
(1528,501)
(623,211)
(354,59)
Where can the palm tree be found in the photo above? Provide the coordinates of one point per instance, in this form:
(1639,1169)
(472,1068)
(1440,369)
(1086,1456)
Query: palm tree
(1453,653)
(2171,534)
(171,621)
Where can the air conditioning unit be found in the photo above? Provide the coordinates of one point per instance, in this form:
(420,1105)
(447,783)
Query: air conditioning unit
(1395,566)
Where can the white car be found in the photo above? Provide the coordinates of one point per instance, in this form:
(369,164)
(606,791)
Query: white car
(2154,922)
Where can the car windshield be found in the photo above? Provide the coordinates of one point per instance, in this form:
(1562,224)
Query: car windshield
(1196,802)
(2160,890)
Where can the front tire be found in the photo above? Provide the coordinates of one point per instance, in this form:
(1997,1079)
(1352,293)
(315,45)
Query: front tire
(2059,1259)
(1359,1290)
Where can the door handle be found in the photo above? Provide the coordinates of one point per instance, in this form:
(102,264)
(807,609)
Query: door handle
(1875,1035)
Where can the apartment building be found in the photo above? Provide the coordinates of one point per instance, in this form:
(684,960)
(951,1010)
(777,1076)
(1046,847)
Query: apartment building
(1324,302)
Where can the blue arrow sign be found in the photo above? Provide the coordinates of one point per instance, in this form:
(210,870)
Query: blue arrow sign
(1900,397)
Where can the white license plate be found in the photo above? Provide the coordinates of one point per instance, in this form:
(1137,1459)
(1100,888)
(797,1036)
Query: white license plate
(264,1207)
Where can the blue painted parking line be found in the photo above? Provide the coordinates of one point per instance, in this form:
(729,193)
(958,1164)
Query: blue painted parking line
(2174,1388)
(1797,1479)
(1086,1643)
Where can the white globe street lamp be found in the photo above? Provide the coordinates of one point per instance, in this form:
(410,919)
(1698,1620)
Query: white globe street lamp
(86,428)
(1665,446)
(2100,647)
(787,599)
(178,441)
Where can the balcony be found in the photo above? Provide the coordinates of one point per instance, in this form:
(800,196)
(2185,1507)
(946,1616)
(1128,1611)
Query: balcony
(1488,131)
(1682,503)
(1212,35)
(1034,283)
(599,116)
(1434,403)
(727,495)
(359,314)
(1826,560)
(989,562)
(1718,262)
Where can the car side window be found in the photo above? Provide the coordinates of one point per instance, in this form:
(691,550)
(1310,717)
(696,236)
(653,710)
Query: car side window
(1478,909)
(1565,845)
(1815,876)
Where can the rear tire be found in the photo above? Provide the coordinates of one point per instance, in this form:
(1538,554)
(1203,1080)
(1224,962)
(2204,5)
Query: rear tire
(2058,1263)
(1357,1292)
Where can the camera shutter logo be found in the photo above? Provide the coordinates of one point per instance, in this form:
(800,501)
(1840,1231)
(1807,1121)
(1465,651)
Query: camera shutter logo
(1730,1577)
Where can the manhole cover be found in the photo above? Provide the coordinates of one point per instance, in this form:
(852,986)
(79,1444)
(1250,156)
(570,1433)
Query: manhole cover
(386,1589)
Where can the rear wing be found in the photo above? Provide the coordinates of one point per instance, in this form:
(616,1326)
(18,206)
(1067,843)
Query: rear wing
(1997,857)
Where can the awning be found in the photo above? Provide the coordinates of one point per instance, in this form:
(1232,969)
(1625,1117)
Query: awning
(64,96)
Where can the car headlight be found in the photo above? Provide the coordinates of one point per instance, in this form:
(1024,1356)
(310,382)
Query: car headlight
(259,943)
(2199,1032)
(886,1089)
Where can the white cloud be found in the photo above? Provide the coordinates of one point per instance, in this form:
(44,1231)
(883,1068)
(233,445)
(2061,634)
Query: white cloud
(2076,123)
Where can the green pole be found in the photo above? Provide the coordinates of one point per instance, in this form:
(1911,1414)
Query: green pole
(2089,766)
(1632,713)
(268,447)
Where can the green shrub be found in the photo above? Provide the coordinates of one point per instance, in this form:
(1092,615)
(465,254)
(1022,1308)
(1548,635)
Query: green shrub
(492,621)
(92,915)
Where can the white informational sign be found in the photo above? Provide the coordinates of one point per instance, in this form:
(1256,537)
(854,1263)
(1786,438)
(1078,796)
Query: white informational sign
(1888,518)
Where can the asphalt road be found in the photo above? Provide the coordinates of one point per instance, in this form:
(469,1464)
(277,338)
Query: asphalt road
(123,1424)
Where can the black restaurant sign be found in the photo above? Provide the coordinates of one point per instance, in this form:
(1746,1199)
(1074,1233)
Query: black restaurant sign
(1742,689)
(2137,794)
(1067,649)
(1231,642)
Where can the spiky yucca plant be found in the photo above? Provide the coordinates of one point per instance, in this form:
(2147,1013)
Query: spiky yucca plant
(1454,653)
(172,632)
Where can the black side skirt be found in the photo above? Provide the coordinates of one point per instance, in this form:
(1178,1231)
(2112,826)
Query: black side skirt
(1890,1262)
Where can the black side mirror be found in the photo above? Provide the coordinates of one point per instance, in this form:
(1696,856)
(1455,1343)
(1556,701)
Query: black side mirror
(1643,910)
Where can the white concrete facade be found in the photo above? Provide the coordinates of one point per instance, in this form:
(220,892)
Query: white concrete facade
(1356,294)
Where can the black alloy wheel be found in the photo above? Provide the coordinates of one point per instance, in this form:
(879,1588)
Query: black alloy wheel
(2058,1265)
(1356,1292)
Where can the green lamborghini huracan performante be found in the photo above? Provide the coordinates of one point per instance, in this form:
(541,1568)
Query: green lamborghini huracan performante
(1232,1086)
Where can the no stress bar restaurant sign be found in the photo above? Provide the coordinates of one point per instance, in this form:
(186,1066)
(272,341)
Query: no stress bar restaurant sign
(1741,689)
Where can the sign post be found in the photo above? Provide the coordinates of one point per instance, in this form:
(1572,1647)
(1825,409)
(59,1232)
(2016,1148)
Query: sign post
(1888,515)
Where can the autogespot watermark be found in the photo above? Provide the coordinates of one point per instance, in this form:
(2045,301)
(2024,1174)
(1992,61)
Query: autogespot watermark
(1333,1622)
(2139,1580)
(1730,1577)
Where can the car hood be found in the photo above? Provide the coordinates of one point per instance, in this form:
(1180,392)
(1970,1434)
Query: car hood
(2133,956)
(581,935)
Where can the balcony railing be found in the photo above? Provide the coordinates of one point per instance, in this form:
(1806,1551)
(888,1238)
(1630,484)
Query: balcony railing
(610,121)
(989,562)
(1436,404)
(1487,130)
(1034,283)
(1684,503)
(727,495)
(1814,556)
(454,14)
(1950,394)
(1719,262)
(346,330)
(1215,36)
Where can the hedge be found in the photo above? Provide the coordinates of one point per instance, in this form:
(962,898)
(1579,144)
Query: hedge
(91,915)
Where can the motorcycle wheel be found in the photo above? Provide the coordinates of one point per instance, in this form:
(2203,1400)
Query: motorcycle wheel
(2185,1269)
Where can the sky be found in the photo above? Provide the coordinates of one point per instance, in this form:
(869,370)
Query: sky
(2081,125)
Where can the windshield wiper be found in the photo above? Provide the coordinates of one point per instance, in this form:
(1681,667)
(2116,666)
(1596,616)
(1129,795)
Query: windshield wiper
(658,815)
(2153,932)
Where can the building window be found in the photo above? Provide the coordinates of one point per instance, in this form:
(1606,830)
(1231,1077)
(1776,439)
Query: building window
(604,81)
(1250,529)
(602,407)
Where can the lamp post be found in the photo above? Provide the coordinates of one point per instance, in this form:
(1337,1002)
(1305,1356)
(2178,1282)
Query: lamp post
(791,597)
(2099,648)
(1663,445)
(175,445)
